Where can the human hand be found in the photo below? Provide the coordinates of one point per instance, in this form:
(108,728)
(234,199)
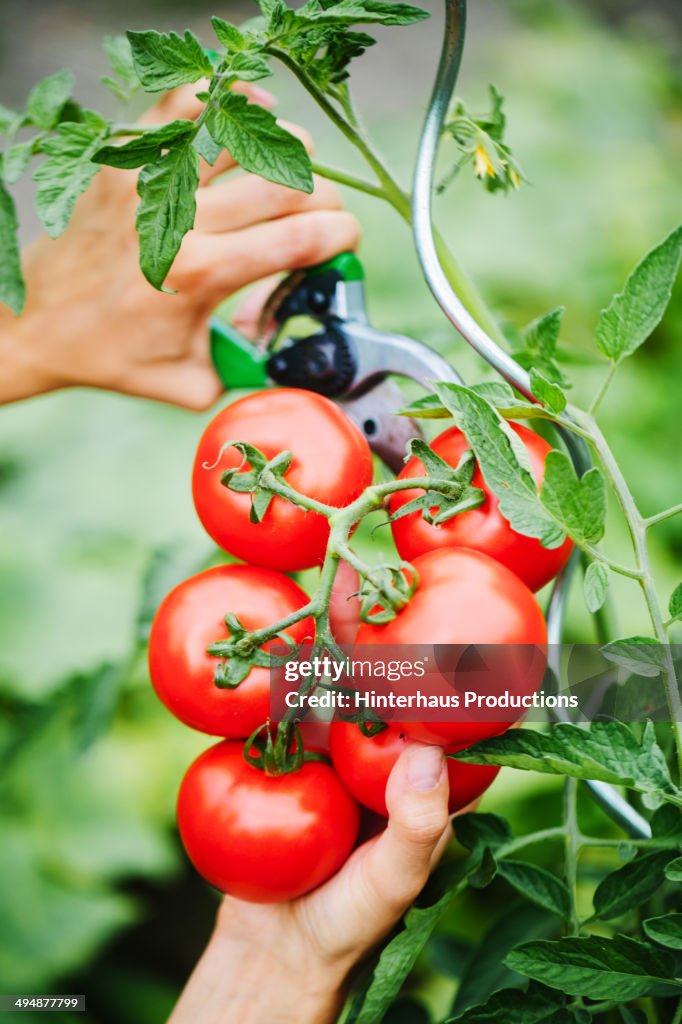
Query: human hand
(289,963)
(92,319)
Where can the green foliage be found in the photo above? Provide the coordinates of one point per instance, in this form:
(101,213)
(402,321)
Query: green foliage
(634,313)
(166,187)
(165,60)
(607,752)
(12,289)
(67,170)
(595,585)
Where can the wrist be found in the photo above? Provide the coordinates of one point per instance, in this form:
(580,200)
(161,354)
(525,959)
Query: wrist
(257,978)
(21,375)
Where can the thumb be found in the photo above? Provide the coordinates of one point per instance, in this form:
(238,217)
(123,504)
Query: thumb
(397,865)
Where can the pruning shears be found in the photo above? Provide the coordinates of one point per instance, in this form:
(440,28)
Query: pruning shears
(346,359)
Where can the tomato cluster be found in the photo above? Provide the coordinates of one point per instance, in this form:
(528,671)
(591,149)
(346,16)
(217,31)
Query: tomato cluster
(269,829)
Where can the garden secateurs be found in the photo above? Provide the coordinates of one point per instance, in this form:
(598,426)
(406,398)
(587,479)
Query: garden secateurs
(346,359)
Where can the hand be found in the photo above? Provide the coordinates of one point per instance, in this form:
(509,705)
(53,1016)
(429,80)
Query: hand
(92,319)
(289,963)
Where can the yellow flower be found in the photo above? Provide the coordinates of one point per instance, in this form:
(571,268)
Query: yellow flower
(483,163)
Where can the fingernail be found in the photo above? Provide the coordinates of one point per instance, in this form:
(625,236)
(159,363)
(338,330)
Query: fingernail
(425,766)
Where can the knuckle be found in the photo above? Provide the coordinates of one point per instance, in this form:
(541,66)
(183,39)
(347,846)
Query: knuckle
(426,825)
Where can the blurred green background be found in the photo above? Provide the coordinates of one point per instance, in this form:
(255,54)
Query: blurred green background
(95,895)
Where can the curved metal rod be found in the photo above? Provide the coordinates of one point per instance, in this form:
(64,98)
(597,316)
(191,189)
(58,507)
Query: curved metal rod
(473,333)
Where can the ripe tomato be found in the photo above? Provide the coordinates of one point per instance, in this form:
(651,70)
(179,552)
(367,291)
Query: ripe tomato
(485,528)
(191,617)
(364,764)
(262,838)
(332,463)
(466,598)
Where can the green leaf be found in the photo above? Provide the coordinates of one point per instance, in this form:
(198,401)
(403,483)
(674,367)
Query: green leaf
(673,871)
(165,60)
(398,957)
(67,170)
(206,147)
(641,655)
(167,190)
(497,451)
(145,148)
(540,340)
(485,872)
(537,1005)
(17,159)
(258,143)
(675,603)
(229,35)
(7,118)
(537,885)
(428,407)
(579,505)
(120,54)
(486,971)
(607,752)
(666,930)
(620,968)
(362,12)
(666,823)
(480,831)
(550,394)
(46,99)
(596,585)
(12,287)
(638,309)
(249,66)
(631,885)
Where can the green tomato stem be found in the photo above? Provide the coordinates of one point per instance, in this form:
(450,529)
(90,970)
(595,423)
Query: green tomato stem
(660,517)
(572,848)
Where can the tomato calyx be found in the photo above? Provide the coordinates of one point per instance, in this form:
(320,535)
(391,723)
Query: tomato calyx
(285,755)
(385,591)
(451,490)
(254,480)
(242,652)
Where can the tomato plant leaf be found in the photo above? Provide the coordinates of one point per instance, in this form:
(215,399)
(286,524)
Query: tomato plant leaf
(258,143)
(126,83)
(673,871)
(398,957)
(665,930)
(481,831)
(485,872)
(595,585)
(607,752)
(67,170)
(144,148)
(365,12)
(631,885)
(499,456)
(675,603)
(486,972)
(229,35)
(579,504)
(597,968)
(250,67)
(537,885)
(636,311)
(547,392)
(12,287)
(167,190)
(641,655)
(536,1005)
(539,341)
(164,60)
(46,99)
(8,118)
(17,159)
(207,147)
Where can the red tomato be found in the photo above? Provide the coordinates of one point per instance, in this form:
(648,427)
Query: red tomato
(332,463)
(262,838)
(191,617)
(485,528)
(364,764)
(466,598)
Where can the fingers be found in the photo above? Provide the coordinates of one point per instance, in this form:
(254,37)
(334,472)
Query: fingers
(189,385)
(398,865)
(246,200)
(344,609)
(247,317)
(218,265)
